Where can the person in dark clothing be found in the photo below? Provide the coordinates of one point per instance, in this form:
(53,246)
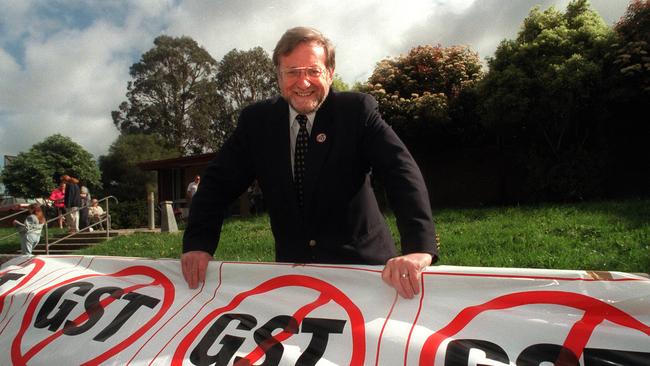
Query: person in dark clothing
(312,151)
(72,202)
(84,192)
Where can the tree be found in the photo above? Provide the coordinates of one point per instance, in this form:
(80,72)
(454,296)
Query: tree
(418,92)
(121,177)
(542,96)
(174,95)
(628,87)
(338,84)
(633,49)
(244,77)
(36,172)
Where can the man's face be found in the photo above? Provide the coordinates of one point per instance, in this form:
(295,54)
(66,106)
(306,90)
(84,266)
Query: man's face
(299,85)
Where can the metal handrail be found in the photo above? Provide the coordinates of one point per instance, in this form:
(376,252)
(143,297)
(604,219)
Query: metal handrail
(107,219)
(10,216)
(9,236)
(14,214)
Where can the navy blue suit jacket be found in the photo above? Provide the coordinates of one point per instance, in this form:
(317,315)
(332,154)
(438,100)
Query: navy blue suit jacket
(341,221)
(72,197)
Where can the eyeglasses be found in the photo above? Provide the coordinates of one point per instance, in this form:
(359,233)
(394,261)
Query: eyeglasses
(295,72)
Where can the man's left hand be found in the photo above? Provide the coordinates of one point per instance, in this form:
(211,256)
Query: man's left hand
(403,273)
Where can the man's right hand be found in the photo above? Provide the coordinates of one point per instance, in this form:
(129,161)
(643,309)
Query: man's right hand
(194,265)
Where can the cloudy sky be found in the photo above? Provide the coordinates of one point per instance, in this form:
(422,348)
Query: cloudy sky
(64,63)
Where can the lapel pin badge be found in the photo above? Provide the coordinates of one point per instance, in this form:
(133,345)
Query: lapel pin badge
(321,137)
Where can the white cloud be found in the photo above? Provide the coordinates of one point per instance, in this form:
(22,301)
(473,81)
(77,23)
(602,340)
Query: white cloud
(70,81)
(64,65)
(363,31)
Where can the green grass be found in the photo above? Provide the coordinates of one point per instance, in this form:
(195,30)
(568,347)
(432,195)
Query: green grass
(10,244)
(610,235)
(241,240)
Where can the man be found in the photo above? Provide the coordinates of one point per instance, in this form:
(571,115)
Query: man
(189,194)
(192,188)
(312,152)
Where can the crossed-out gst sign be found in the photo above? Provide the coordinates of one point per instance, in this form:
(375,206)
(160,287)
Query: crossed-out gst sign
(121,311)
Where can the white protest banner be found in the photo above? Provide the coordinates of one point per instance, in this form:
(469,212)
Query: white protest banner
(75,310)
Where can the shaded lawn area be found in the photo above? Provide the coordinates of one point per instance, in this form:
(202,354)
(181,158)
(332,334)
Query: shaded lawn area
(610,235)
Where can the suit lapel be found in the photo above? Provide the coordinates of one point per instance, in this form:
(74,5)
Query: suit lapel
(320,142)
(278,134)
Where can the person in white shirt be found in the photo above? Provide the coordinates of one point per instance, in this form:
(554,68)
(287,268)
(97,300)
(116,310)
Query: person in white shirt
(191,189)
(95,213)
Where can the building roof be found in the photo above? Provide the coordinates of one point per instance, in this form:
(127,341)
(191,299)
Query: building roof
(175,163)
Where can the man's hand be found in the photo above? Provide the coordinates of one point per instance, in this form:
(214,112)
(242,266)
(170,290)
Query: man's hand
(194,265)
(403,273)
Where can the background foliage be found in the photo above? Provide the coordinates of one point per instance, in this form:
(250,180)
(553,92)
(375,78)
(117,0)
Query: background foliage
(543,97)
(244,77)
(419,93)
(36,172)
(130,214)
(174,95)
(121,176)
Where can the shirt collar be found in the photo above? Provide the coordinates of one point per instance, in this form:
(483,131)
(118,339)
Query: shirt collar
(292,117)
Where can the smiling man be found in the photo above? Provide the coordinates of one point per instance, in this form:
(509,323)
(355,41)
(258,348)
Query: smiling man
(312,151)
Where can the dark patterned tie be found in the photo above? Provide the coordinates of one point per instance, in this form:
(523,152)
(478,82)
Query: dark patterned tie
(299,158)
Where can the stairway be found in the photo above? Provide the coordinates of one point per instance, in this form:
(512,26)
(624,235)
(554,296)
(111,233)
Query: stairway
(73,243)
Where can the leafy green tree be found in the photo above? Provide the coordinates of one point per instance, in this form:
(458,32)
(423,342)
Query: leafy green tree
(121,176)
(244,77)
(338,84)
(36,172)
(174,95)
(418,92)
(632,51)
(628,93)
(359,86)
(542,96)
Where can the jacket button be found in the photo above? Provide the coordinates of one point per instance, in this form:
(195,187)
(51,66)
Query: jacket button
(312,243)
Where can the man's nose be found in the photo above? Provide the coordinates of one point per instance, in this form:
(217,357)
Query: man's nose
(303,80)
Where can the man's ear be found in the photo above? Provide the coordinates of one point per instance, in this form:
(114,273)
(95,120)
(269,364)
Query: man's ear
(331,76)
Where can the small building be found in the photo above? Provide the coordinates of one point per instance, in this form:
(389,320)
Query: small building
(176,173)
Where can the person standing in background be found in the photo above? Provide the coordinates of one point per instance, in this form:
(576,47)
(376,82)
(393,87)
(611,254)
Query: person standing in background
(84,193)
(72,202)
(57,196)
(191,189)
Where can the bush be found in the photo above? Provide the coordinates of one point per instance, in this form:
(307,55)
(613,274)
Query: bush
(130,214)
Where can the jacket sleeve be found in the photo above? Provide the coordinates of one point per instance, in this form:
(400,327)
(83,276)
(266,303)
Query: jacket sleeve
(393,164)
(223,181)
